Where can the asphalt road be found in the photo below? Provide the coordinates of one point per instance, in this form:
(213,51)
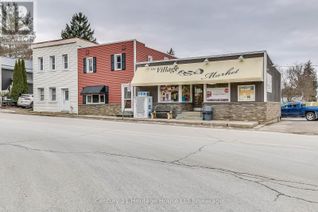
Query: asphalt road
(65,164)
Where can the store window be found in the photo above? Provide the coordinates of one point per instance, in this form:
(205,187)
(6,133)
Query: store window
(246,93)
(95,99)
(186,93)
(218,93)
(169,93)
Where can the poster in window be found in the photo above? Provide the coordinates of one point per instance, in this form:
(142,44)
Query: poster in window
(246,93)
(269,80)
(218,94)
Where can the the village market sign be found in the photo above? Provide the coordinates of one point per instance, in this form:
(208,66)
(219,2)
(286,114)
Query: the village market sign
(199,71)
(192,73)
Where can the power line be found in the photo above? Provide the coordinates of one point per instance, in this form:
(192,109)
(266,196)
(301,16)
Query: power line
(290,65)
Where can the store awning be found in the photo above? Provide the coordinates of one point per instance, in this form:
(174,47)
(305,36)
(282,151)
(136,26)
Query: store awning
(225,71)
(99,89)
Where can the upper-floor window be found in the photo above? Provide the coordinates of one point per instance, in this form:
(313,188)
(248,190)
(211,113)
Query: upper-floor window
(40,60)
(118,62)
(89,65)
(52,62)
(150,59)
(65,61)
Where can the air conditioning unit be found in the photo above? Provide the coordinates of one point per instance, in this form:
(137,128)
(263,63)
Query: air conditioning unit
(142,106)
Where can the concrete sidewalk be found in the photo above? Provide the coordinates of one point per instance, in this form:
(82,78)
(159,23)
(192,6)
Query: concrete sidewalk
(214,123)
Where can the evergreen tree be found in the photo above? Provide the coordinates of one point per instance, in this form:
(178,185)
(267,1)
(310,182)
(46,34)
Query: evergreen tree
(171,52)
(79,27)
(25,79)
(17,85)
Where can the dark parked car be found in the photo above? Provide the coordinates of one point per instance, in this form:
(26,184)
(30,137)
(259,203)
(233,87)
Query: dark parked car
(298,109)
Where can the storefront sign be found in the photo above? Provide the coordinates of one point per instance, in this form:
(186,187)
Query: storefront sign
(251,69)
(246,93)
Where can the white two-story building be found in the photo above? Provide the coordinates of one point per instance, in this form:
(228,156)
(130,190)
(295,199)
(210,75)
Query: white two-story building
(55,77)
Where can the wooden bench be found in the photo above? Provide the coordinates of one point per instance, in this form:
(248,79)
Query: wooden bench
(165,110)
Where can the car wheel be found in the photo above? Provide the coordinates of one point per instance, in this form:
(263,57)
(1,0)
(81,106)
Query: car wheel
(310,116)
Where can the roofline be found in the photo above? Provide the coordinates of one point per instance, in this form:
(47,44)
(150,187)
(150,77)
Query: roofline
(58,42)
(110,43)
(157,50)
(204,57)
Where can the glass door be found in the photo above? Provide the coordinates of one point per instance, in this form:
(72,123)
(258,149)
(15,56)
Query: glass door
(197,96)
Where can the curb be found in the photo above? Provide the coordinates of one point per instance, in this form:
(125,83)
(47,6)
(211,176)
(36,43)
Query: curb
(217,124)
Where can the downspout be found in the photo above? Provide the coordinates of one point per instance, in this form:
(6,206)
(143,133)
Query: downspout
(265,76)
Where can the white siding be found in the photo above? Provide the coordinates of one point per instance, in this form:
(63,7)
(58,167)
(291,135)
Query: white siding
(58,78)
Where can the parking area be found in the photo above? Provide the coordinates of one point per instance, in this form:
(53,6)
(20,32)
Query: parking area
(293,125)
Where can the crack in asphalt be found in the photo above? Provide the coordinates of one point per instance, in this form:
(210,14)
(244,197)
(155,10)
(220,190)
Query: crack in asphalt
(189,155)
(253,178)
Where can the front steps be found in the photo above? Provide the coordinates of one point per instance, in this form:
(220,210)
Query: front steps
(189,115)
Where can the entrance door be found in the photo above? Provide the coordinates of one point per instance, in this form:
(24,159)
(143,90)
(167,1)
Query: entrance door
(65,100)
(197,97)
(126,103)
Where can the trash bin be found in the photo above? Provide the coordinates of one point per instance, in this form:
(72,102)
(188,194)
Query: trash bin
(207,113)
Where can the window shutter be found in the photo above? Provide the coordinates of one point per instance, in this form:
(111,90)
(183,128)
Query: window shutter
(94,64)
(84,65)
(84,99)
(112,58)
(123,61)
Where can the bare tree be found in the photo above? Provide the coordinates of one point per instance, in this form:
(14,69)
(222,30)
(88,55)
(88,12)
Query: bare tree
(300,82)
(17,33)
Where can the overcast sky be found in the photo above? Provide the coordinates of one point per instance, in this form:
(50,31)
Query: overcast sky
(287,29)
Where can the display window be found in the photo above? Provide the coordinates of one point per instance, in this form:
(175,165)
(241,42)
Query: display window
(186,93)
(218,93)
(169,93)
(246,93)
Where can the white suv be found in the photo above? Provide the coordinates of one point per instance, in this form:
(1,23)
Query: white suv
(25,100)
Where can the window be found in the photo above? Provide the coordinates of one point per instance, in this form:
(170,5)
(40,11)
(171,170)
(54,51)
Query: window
(150,59)
(246,93)
(65,61)
(66,95)
(169,93)
(186,93)
(95,99)
(218,93)
(89,65)
(118,62)
(52,61)
(269,83)
(41,94)
(166,58)
(40,60)
(53,94)
(127,97)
